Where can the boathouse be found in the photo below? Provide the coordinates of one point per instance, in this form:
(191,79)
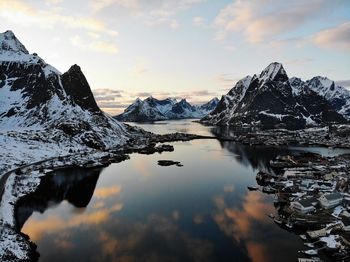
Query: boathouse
(331,200)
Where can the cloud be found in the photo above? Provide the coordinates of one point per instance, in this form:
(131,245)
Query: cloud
(105,192)
(39,228)
(98,5)
(226,80)
(262,21)
(107,91)
(139,69)
(229,188)
(106,98)
(114,101)
(174,24)
(112,105)
(143,94)
(21,12)
(152,13)
(344,83)
(334,38)
(240,223)
(94,45)
(201,93)
(300,61)
(198,21)
(53,2)
(190,95)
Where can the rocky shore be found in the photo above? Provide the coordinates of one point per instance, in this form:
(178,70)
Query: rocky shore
(25,179)
(312,199)
(330,136)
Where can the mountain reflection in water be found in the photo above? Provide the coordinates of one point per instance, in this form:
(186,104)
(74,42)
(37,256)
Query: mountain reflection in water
(138,211)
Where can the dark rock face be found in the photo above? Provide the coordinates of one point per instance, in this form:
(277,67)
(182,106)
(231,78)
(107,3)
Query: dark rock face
(76,86)
(169,163)
(337,96)
(9,42)
(77,188)
(35,95)
(211,105)
(317,107)
(270,101)
(181,107)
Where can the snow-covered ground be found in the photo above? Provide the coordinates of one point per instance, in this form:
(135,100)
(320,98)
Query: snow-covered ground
(23,148)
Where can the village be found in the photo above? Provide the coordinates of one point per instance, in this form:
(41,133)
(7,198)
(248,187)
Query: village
(312,199)
(328,136)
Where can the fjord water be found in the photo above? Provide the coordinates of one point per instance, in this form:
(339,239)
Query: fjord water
(138,211)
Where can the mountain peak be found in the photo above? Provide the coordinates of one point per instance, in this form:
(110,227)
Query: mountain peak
(274,71)
(77,87)
(322,81)
(10,44)
(215,99)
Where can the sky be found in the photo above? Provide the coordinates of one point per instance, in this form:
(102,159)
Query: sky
(196,49)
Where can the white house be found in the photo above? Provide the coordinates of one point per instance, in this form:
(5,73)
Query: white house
(330,200)
(304,205)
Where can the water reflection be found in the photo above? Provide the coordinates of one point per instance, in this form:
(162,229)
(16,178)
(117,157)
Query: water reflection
(241,223)
(257,157)
(73,185)
(138,211)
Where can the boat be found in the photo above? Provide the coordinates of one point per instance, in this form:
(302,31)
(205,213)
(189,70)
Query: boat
(252,188)
(309,245)
(278,220)
(289,225)
(303,237)
(310,252)
(268,189)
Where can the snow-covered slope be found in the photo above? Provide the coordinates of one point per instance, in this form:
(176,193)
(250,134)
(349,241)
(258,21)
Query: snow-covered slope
(36,96)
(152,109)
(272,100)
(338,96)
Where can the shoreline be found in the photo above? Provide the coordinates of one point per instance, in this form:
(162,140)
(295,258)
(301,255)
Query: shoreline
(31,174)
(21,181)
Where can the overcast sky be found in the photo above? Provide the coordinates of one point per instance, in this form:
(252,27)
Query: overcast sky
(196,49)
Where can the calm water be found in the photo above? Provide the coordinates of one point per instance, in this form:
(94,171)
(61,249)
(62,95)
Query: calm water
(139,211)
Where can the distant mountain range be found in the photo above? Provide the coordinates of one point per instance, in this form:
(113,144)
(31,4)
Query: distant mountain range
(36,96)
(272,100)
(152,109)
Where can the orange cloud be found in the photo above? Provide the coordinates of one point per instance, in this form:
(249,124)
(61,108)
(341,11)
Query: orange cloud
(262,21)
(334,38)
(51,224)
(257,252)
(238,222)
(21,12)
(105,192)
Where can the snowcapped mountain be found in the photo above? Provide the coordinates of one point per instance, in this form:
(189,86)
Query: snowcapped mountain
(152,109)
(338,96)
(36,96)
(272,100)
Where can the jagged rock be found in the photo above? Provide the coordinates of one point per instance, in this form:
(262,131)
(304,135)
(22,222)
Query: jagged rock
(169,163)
(152,109)
(272,100)
(36,96)
(337,96)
